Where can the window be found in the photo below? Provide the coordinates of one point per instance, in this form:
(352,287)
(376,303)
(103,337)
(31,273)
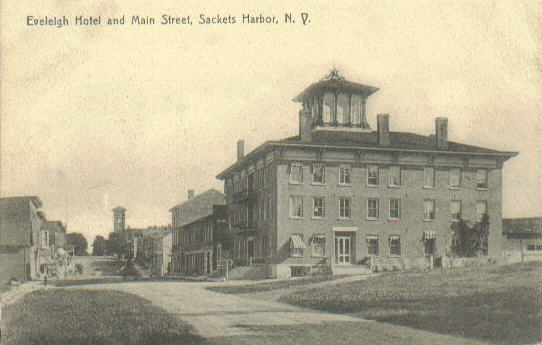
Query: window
(372,208)
(296,173)
(372,245)
(429,177)
(297,246)
(318,173)
(455,210)
(344,174)
(318,245)
(429,209)
(481,210)
(355,116)
(395,176)
(455,178)
(533,247)
(372,175)
(328,110)
(319,210)
(344,208)
(481,179)
(395,209)
(296,207)
(343,117)
(395,245)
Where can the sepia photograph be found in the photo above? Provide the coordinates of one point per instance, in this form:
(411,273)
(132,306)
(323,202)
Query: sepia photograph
(289,172)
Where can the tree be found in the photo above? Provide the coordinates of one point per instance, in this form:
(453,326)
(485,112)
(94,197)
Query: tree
(79,243)
(470,241)
(117,244)
(99,247)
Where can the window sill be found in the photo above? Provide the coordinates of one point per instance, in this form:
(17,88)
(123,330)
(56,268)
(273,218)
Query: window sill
(429,188)
(347,219)
(318,256)
(393,186)
(482,189)
(295,183)
(454,188)
(394,219)
(296,218)
(454,220)
(318,218)
(394,256)
(371,186)
(345,185)
(429,220)
(317,184)
(372,219)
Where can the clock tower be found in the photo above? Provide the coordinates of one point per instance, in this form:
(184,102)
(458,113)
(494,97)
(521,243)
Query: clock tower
(119,219)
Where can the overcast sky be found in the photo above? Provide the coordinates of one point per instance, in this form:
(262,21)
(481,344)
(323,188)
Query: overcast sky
(93,118)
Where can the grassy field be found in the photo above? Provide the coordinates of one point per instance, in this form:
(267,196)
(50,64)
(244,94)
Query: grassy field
(272,285)
(85,317)
(496,304)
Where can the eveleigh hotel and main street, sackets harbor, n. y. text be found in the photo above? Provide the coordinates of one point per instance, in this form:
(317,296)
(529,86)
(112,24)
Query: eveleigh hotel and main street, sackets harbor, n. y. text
(166,19)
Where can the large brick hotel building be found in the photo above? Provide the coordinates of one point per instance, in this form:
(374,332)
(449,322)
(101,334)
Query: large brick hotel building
(340,193)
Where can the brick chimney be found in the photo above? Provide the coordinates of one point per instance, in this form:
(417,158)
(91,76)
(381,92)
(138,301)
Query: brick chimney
(240,149)
(305,125)
(441,132)
(383,129)
(190,194)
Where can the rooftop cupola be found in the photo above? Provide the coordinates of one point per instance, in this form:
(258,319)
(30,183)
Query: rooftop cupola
(334,103)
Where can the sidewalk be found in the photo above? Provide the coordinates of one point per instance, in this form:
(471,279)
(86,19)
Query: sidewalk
(13,295)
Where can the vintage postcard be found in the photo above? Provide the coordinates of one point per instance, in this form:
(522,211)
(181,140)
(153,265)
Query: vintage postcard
(271,172)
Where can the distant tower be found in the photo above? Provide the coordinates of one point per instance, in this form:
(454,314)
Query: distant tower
(119,219)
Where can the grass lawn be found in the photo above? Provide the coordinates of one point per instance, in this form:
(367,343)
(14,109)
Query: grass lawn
(496,304)
(272,285)
(88,317)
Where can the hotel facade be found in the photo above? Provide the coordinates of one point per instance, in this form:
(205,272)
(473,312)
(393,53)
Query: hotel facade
(341,196)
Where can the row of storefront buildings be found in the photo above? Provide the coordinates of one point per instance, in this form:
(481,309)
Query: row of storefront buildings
(341,196)
(31,247)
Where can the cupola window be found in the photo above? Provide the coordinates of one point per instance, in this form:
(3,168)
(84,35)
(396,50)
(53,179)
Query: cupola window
(328,111)
(355,116)
(343,116)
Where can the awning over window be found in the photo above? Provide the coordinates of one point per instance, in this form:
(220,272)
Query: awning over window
(319,237)
(395,237)
(429,235)
(372,238)
(296,242)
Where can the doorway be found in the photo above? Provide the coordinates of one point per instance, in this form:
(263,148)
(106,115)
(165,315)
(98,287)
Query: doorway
(343,248)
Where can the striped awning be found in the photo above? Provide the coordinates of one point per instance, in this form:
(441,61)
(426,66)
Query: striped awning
(372,238)
(296,242)
(429,235)
(395,237)
(318,237)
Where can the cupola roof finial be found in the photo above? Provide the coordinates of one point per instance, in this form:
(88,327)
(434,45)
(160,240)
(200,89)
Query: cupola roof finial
(333,75)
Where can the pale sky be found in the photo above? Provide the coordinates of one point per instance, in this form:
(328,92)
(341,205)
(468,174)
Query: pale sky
(96,117)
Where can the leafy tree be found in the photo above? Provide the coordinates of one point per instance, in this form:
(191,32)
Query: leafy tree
(117,244)
(99,247)
(470,241)
(79,243)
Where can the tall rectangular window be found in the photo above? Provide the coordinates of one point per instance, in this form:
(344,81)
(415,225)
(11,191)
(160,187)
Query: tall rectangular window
(344,174)
(318,245)
(372,175)
(372,245)
(395,176)
(296,173)
(395,245)
(455,210)
(318,173)
(481,179)
(318,207)
(345,208)
(429,177)
(372,208)
(455,178)
(481,210)
(428,209)
(395,209)
(296,206)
